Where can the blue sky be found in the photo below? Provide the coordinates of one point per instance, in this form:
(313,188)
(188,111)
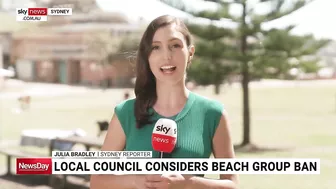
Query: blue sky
(318,18)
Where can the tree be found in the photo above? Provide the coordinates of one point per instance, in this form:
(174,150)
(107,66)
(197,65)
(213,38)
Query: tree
(101,44)
(213,57)
(283,51)
(207,71)
(249,29)
(108,48)
(127,49)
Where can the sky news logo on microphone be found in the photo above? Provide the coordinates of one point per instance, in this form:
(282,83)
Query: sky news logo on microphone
(33,166)
(164,135)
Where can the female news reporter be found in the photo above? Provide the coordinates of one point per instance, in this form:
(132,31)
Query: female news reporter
(164,54)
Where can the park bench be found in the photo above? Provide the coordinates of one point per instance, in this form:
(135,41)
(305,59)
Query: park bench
(19,153)
(40,141)
(36,140)
(16,153)
(87,142)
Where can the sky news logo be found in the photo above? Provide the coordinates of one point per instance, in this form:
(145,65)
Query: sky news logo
(32,11)
(40,14)
(33,166)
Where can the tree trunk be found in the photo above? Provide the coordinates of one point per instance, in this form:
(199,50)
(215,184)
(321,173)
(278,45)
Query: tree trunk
(245,85)
(217,89)
(246,105)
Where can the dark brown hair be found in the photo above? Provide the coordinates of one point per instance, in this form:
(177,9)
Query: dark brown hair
(145,85)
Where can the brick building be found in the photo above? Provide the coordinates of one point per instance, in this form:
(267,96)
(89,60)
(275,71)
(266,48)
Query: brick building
(61,53)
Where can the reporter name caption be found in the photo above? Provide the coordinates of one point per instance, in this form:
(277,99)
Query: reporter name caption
(101,154)
(111,165)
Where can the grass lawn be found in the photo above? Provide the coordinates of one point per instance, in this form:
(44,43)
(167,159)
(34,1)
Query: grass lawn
(301,118)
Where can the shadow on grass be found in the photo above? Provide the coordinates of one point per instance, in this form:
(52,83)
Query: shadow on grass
(31,181)
(255,149)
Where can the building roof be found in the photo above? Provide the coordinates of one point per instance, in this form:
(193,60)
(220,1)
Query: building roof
(9,23)
(96,16)
(78,27)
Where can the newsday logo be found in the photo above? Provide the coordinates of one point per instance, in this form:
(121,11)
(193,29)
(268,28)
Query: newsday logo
(40,14)
(33,166)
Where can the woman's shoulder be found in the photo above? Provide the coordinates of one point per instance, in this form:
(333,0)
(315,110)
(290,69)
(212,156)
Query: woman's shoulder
(208,103)
(212,111)
(125,105)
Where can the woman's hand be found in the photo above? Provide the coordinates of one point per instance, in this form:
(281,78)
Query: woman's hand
(139,182)
(169,181)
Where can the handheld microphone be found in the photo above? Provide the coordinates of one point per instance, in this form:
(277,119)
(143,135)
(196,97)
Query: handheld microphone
(164,136)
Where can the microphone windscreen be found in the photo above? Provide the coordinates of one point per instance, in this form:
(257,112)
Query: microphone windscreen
(164,135)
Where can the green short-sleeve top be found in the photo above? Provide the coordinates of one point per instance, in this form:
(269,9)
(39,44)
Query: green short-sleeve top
(196,126)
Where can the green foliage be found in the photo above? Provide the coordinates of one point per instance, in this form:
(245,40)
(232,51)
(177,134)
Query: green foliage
(110,48)
(128,43)
(205,71)
(210,65)
(271,58)
(294,46)
(282,51)
(270,53)
(210,32)
(126,50)
(309,66)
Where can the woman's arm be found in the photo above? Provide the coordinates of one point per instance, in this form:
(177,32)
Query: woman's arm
(115,141)
(222,148)
(114,181)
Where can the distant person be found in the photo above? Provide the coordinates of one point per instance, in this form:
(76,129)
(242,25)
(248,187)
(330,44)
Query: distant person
(164,53)
(102,126)
(24,103)
(126,95)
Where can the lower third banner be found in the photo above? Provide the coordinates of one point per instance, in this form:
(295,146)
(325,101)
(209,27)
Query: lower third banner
(166,166)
